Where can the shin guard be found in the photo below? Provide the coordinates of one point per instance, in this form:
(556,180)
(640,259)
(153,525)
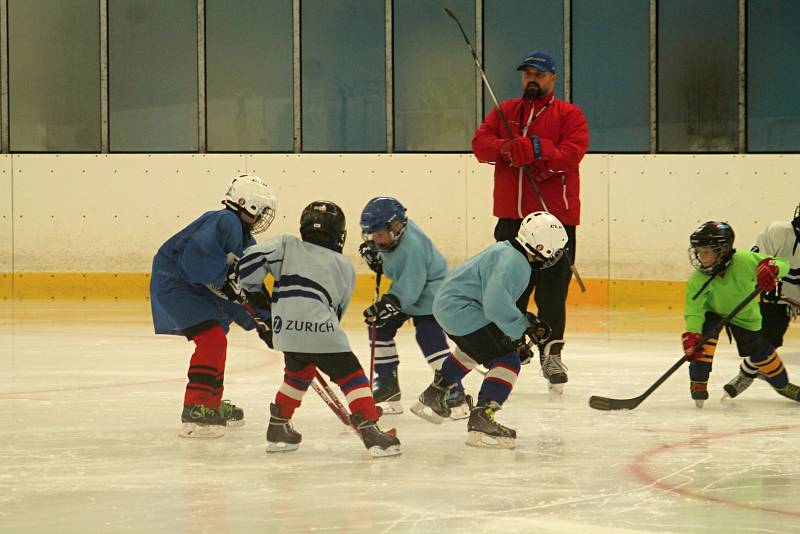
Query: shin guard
(206,368)
(500,379)
(355,387)
(294,387)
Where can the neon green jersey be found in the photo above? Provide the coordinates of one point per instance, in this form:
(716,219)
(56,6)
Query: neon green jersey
(726,291)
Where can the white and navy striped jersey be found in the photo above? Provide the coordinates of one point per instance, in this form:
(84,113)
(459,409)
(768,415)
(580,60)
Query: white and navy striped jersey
(778,239)
(313,286)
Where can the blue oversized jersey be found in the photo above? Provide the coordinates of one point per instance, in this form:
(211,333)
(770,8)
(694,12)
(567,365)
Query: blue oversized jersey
(416,269)
(313,286)
(197,255)
(484,290)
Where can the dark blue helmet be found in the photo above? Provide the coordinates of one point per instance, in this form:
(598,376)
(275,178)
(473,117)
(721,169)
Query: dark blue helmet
(380,214)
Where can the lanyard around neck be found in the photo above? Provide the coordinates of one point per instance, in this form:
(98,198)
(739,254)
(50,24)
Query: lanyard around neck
(532,117)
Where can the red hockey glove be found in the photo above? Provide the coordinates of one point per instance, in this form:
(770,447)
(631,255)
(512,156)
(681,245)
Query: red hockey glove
(690,348)
(767,275)
(521,151)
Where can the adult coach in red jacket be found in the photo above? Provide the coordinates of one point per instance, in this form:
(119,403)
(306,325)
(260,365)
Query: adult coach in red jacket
(550,139)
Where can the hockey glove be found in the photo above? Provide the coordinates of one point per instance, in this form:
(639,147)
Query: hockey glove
(767,274)
(521,151)
(383,311)
(264,332)
(691,351)
(259,299)
(538,330)
(371,256)
(230,290)
(524,348)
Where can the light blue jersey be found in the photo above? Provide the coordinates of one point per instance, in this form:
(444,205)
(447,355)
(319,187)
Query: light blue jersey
(416,269)
(484,290)
(313,286)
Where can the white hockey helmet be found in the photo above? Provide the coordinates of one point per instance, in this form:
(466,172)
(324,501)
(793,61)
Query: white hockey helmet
(250,194)
(543,236)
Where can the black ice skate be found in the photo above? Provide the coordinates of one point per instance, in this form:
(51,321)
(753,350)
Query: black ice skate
(699,392)
(457,402)
(484,431)
(737,385)
(432,404)
(201,422)
(790,391)
(377,442)
(234,416)
(553,370)
(386,392)
(281,437)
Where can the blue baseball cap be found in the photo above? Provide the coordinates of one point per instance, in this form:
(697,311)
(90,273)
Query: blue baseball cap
(540,60)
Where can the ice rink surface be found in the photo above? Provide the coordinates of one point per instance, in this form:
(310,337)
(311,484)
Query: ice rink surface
(91,410)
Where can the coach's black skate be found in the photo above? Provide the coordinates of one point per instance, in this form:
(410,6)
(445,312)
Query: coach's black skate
(699,392)
(484,431)
(790,391)
(377,442)
(233,415)
(201,422)
(281,437)
(737,385)
(432,404)
(457,402)
(553,369)
(386,392)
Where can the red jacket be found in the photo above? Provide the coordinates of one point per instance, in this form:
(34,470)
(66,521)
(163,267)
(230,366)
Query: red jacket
(564,138)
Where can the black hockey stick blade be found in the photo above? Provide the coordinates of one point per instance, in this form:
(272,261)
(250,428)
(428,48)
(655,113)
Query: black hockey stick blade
(606,404)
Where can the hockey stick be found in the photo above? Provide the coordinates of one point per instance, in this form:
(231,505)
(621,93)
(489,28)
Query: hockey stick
(510,133)
(604,403)
(373,331)
(325,392)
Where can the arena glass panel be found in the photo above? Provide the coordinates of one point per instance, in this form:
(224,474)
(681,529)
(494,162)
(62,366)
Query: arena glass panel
(773,83)
(506,41)
(611,72)
(152,49)
(343,76)
(434,77)
(54,75)
(249,76)
(698,70)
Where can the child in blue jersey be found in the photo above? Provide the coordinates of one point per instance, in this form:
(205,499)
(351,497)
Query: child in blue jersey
(395,246)
(313,286)
(477,305)
(193,293)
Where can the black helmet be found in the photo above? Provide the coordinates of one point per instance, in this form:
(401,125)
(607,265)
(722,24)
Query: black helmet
(717,236)
(323,223)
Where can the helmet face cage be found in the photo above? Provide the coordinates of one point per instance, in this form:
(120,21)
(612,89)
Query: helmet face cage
(251,195)
(380,214)
(717,236)
(796,221)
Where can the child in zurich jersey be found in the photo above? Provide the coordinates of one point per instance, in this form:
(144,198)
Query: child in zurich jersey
(313,286)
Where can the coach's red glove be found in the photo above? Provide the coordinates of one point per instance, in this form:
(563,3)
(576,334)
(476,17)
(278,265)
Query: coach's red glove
(521,149)
(767,275)
(690,348)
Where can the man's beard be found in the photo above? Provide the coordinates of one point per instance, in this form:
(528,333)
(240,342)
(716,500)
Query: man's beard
(534,91)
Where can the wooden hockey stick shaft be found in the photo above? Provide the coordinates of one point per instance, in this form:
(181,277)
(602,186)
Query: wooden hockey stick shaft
(510,132)
(605,403)
(373,331)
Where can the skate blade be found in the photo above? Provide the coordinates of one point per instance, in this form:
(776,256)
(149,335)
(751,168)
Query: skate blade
(391,450)
(282,447)
(391,407)
(235,424)
(420,410)
(555,389)
(459,412)
(485,441)
(699,403)
(193,430)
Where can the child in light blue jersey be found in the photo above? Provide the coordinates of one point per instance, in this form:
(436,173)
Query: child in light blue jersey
(397,247)
(478,305)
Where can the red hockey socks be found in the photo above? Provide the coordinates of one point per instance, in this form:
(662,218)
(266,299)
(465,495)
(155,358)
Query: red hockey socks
(295,384)
(207,369)
(355,387)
